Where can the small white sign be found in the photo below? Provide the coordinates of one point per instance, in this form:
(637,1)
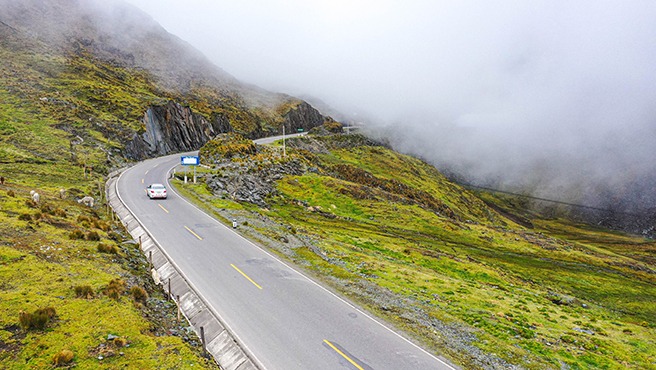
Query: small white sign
(190,161)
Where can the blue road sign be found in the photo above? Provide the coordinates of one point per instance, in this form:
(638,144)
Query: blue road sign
(190,160)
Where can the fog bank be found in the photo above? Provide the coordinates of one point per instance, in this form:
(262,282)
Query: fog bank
(555,97)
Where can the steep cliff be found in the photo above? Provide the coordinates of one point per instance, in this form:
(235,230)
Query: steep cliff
(303,116)
(173,128)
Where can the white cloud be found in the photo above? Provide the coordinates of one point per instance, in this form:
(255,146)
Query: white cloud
(503,86)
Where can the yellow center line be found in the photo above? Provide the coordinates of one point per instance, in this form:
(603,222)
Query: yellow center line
(142,181)
(343,355)
(165,210)
(246,276)
(193,233)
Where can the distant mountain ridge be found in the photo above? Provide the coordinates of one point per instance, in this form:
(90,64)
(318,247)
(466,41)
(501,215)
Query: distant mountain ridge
(114,31)
(120,32)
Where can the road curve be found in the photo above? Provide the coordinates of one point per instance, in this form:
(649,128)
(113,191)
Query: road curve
(283,319)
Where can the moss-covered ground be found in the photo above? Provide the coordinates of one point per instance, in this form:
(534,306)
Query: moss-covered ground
(52,251)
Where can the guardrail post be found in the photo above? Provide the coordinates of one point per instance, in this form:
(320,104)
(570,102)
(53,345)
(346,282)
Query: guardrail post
(177,299)
(202,339)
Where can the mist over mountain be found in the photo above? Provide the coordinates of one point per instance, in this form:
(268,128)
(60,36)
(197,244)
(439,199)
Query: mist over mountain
(553,98)
(121,33)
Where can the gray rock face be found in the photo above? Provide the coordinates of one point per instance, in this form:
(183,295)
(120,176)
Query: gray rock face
(174,128)
(303,116)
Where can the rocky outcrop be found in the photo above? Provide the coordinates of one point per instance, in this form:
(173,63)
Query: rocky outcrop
(247,182)
(174,128)
(304,117)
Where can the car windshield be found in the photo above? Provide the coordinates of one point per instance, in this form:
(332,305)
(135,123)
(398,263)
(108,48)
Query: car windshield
(157,186)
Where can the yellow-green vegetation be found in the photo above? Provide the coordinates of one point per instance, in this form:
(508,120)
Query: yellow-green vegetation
(63,119)
(69,105)
(228,146)
(70,301)
(557,295)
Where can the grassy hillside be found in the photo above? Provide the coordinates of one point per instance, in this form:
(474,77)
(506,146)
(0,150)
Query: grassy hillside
(70,279)
(66,115)
(393,234)
(78,266)
(62,119)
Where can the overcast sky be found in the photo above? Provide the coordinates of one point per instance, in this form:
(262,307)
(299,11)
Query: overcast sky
(561,92)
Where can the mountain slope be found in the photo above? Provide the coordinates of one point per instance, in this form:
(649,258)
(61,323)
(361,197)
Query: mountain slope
(392,233)
(94,70)
(116,32)
(86,87)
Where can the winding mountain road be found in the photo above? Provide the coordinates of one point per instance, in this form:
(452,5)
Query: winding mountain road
(282,318)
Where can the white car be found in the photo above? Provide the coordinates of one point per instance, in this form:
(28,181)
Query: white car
(156,191)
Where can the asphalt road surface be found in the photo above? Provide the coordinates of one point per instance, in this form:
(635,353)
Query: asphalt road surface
(281,317)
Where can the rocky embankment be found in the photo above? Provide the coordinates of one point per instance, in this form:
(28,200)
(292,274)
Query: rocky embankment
(244,182)
(175,128)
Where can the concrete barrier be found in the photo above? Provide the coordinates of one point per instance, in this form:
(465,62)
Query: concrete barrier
(219,342)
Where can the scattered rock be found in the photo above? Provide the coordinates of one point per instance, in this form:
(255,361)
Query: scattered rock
(586,331)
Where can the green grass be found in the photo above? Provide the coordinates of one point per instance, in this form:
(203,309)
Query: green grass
(40,266)
(531,296)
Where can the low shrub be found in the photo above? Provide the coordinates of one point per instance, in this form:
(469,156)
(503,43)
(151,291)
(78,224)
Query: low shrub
(83,218)
(76,234)
(566,338)
(63,357)
(84,291)
(38,320)
(120,342)
(59,212)
(100,224)
(114,236)
(45,208)
(93,236)
(138,294)
(10,193)
(115,289)
(25,217)
(107,248)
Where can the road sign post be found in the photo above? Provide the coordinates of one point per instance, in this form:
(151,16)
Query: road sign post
(190,160)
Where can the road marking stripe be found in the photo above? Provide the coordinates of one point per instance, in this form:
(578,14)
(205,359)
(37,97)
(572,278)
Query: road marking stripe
(162,207)
(193,233)
(343,355)
(146,173)
(246,276)
(142,181)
